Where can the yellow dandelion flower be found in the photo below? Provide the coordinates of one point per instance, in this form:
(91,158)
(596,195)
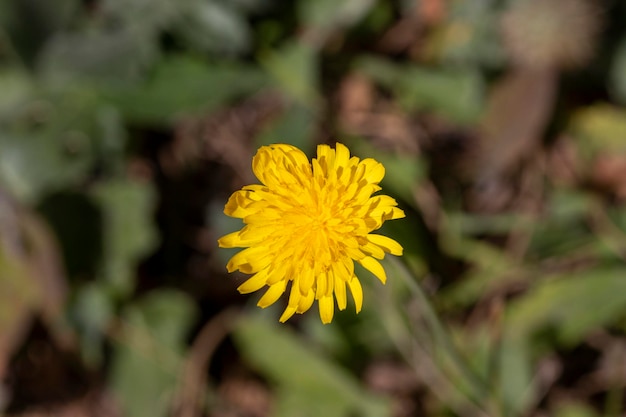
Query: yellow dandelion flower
(307,223)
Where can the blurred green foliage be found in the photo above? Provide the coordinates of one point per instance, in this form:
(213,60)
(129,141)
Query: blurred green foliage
(111,111)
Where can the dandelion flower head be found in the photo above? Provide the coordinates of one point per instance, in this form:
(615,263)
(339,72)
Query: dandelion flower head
(306,224)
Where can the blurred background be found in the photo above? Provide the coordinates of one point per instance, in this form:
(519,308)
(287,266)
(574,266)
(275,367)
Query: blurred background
(126,124)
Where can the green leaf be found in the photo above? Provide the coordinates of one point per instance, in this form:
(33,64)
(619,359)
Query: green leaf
(211,26)
(54,165)
(145,16)
(330,14)
(295,68)
(30,24)
(571,306)
(295,126)
(470,35)
(308,385)
(148,352)
(403,173)
(564,230)
(182,85)
(16,89)
(128,229)
(114,56)
(516,384)
(456,94)
(92,311)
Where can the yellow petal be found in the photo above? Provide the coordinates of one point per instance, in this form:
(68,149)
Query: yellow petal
(250,260)
(374,267)
(373,250)
(272,294)
(276,273)
(374,171)
(238,204)
(342,155)
(294,295)
(340,293)
(289,311)
(306,302)
(306,280)
(326,158)
(321,282)
(327,308)
(387,244)
(357,292)
(348,263)
(260,163)
(256,282)
(394,213)
(231,240)
(299,160)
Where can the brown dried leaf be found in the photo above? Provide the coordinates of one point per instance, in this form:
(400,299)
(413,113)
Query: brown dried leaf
(362,112)
(517,115)
(31,277)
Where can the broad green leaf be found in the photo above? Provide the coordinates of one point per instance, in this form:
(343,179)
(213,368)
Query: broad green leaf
(456,94)
(295,126)
(212,26)
(571,305)
(563,228)
(27,26)
(17,87)
(115,56)
(294,68)
(329,14)
(145,16)
(33,164)
(307,384)
(469,36)
(515,383)
(91,311)
(181,85)
(128,230)
(403,173)
(148,352)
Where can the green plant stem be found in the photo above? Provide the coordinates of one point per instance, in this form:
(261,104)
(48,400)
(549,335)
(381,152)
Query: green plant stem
(480,389)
